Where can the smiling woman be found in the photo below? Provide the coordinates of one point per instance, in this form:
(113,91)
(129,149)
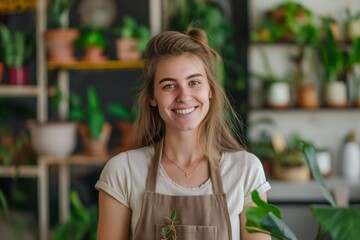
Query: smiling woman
(196,170)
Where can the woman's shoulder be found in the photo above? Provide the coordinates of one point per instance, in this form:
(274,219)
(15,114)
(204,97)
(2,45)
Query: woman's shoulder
(131,157)
(241,157)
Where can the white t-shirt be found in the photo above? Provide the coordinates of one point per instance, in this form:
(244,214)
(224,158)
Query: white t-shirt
(124,178)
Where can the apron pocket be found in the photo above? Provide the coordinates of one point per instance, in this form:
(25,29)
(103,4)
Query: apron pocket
(190,232)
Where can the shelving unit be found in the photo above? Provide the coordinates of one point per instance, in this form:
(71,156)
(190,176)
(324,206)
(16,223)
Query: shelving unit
(40,92)
(325,127)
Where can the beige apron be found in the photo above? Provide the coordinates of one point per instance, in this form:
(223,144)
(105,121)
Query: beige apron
(201,217)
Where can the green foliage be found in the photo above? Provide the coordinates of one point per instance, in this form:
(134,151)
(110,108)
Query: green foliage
(91,37)
(92,113)
(170,229)
(288,21)
(82,223)
(3,202)
(131,29)
(266,218)
(339,222)
(17,47)
(58,9)
(331,54)
(121,112)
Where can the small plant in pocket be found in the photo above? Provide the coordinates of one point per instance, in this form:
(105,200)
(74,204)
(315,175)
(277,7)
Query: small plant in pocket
(169,231)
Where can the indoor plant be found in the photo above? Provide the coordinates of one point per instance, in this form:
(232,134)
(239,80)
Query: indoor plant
(125,125)
(59,38)
(18,49)
(277,89)
(61,130)
(82,223)
(332,58)
(93,42)
(132,39)
(340,222)
(94,130)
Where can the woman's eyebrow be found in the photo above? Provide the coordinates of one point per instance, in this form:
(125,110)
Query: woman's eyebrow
(173,79)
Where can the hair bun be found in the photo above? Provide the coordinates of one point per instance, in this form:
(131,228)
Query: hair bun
(198,35)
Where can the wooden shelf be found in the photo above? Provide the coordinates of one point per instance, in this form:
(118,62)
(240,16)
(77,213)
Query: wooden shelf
(23,171)
(16,91)
(76,159)
(86,65)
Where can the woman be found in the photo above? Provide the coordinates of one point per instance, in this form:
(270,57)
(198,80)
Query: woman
(190,160)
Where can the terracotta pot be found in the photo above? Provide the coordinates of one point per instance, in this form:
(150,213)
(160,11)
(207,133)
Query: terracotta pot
(18,76)
(307,96)
(293,174)
(127,137)
(1,72)
(126,49)
(95,147)
(59,43)
(94,54)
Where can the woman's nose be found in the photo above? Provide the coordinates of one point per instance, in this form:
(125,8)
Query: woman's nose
(183,95)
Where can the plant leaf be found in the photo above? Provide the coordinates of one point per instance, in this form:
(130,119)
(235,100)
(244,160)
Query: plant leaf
(341,223)
(310,155)
(266,218)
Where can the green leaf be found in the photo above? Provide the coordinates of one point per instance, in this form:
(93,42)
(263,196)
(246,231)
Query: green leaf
(266,218)
(165,230)
(173,215)
(310,155)
(4,203)
(341,223)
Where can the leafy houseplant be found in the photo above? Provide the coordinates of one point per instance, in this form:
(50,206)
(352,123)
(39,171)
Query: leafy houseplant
(61,130)
(18,49)
(95,132)
(125,125)
(340,222)
(334,62)
(277,88)
(132,39)
(82,223)
(93,42)
(59,38)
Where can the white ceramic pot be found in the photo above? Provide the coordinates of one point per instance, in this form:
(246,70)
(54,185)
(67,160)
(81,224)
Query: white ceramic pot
(278,95)
(351,162)
(335,94)
(53,138)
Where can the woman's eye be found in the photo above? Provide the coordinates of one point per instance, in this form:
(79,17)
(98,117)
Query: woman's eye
(169,86)
(194,82)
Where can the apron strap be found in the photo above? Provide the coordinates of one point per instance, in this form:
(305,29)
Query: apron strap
(154,169)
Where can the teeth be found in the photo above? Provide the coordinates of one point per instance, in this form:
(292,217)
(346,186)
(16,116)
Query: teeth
(185,111)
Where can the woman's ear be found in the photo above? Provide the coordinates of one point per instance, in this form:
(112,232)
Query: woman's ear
(153,102)
(210,94)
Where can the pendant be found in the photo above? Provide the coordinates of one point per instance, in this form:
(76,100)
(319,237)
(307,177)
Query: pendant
(187,175)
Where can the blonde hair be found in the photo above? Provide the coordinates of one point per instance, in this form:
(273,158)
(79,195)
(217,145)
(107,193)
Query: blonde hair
(218,131)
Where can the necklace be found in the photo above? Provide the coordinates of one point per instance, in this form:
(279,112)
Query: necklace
(187,174)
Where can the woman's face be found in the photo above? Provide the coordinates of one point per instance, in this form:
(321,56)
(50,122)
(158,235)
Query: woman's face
(181,92)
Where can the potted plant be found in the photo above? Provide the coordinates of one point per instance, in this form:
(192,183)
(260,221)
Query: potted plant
(125,126)
(277,89)
(82,223)
(332,58)
(94,130)
(340,222)
(290,162)
(352,24)
(93,42)
(132,39)
(59,38)
(18,49)
(60,130)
